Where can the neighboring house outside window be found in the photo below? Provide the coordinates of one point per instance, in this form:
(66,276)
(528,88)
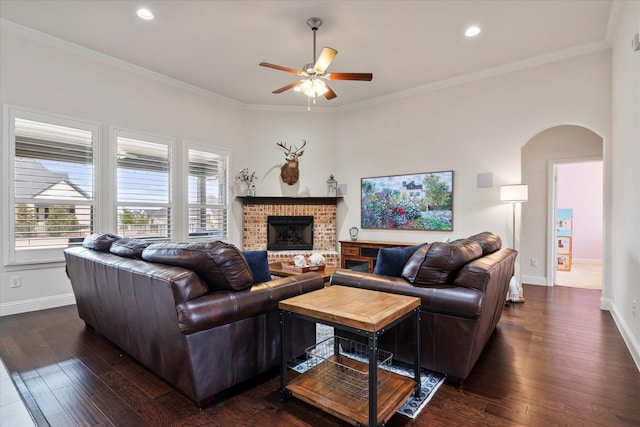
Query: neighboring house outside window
(52,197)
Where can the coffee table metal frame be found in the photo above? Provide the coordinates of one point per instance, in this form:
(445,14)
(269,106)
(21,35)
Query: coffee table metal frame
(372,338)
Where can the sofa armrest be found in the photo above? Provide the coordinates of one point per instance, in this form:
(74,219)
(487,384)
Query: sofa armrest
(449,300)
(492,268)
(223,307)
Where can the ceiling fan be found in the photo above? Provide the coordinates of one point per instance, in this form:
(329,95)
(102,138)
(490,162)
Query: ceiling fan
(314,74)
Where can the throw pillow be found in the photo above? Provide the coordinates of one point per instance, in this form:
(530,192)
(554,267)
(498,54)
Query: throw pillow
(129,248)
(259,265)
(221,265)
(391,261)
(100,241)
(437,263)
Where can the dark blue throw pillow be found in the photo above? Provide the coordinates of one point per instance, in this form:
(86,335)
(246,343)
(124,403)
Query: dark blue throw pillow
(259,265)
(391,261)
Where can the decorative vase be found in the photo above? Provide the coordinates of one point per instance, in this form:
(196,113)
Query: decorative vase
(248,192)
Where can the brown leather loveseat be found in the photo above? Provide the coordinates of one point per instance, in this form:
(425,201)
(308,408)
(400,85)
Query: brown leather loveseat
(188,312)
(462,286)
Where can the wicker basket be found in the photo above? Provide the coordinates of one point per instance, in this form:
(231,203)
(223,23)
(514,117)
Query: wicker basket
(343,364)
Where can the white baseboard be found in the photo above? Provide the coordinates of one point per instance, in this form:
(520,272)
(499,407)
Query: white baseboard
(534,280)
(17,307)
(627,336)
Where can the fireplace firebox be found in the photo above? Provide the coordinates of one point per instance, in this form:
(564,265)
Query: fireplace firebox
(289,233)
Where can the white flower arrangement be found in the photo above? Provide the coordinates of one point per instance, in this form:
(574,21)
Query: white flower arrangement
(248,179)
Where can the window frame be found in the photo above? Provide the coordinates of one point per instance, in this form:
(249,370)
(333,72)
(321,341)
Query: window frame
(184,175)
(173,175)
(51,254)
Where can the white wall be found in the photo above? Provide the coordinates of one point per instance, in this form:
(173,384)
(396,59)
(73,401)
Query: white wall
(624,191)
(580,188)
(471,128)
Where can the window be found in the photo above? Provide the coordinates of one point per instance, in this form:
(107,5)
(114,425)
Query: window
(59,191)
(52,196)
(143,186)
(208,201)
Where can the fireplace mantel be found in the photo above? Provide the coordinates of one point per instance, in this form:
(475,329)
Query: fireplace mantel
(281,200)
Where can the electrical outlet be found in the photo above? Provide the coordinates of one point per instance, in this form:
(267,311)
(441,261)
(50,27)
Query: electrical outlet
(15,281)
(534,263)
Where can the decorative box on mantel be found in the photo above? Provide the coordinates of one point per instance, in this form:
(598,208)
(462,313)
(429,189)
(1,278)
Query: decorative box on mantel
(256,210)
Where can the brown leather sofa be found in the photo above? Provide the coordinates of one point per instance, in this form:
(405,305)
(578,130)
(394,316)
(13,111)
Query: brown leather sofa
(201,333)
(463,287)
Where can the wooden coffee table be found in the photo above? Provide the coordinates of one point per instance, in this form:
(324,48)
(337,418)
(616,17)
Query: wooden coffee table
(367,313)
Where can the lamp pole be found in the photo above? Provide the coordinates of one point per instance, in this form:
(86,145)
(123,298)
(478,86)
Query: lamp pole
(516,193)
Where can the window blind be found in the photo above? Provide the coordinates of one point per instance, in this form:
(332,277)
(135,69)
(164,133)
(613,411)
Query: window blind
(208,200)
(53,183)
(143,189)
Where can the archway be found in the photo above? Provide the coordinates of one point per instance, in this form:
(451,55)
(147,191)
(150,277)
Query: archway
(538,155)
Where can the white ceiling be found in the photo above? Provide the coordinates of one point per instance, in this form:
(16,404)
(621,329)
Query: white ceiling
(217,45)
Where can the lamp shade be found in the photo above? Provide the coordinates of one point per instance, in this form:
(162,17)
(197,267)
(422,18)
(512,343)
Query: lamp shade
(514,193)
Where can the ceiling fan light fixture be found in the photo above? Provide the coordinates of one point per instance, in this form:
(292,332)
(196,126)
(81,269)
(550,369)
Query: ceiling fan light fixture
(314,74)
(314,88)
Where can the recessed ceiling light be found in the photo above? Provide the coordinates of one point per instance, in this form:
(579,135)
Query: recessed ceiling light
(145,14)
(472,31)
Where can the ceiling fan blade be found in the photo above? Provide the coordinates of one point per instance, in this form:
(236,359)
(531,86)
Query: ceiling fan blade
(325,58)
(329,94)
(281,68)
(289,86)
(350,76)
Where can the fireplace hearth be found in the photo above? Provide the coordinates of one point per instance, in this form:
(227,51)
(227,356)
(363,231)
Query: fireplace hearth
(287,233)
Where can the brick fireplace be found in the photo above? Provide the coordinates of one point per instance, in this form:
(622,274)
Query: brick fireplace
(256,210)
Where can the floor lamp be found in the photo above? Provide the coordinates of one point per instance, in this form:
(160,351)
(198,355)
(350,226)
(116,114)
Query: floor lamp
(514,194)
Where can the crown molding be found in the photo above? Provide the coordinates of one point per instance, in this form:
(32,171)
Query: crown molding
(59,43)
(287,108)
(511,67)
(615,17)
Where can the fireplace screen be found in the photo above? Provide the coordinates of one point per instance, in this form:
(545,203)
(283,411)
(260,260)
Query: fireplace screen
(287,233)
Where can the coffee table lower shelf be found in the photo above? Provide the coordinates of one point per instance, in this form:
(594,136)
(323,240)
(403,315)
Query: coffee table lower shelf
(391,397)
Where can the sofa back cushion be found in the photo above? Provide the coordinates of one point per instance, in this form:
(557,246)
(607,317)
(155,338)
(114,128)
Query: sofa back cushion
(391,261)
(100,241)
(437,263)
(489,241)
(221,265)
(129,248)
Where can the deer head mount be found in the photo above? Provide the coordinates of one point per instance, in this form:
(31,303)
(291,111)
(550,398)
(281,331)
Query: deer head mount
(289,171)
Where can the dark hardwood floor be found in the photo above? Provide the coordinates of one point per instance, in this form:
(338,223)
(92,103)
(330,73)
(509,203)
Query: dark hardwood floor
(554,360)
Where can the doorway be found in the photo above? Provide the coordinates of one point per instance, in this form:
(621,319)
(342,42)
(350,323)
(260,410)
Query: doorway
(577,223)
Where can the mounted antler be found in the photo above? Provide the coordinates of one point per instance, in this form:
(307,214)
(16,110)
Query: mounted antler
(289,171)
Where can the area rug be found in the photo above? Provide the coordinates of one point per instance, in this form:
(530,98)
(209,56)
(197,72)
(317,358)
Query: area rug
(429,381)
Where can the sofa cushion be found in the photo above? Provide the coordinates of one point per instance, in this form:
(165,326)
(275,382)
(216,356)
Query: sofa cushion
(438,262)
(489,241)
(100,241)
(259,265)
(221,265)
(129,248)
(391,261)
